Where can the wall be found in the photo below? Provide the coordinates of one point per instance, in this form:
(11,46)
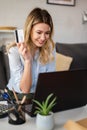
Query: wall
(68,25)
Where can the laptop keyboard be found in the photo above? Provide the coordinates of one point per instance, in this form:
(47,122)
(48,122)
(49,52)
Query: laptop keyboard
(4,109)
(28,109)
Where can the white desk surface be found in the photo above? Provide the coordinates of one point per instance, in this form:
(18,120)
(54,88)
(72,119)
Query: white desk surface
(60,119)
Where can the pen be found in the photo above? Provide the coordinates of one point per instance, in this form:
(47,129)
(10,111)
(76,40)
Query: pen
(6,96)
(9,97)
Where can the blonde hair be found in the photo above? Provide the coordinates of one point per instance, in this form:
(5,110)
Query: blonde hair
(36,16)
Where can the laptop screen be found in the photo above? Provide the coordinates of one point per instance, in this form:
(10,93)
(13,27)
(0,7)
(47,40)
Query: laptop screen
(70,87)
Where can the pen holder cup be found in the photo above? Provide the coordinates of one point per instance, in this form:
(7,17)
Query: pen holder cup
(16,115)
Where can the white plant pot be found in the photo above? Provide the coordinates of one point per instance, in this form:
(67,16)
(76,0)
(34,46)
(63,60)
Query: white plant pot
(45,122)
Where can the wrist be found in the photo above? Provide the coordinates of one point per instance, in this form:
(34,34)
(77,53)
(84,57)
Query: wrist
(27,61)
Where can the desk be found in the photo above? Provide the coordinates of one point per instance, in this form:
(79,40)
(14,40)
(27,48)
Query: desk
(60,119)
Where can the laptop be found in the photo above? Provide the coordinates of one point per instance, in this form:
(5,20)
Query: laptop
(70,87)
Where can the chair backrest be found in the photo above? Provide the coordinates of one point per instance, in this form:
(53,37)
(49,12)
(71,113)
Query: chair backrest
(3,78)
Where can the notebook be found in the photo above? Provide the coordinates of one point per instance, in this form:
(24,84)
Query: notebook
(70,87)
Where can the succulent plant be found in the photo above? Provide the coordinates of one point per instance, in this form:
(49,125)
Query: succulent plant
(46,106)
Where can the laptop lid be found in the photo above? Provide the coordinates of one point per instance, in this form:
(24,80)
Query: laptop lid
(70,87)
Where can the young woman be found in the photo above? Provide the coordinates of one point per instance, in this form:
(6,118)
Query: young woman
(35,55)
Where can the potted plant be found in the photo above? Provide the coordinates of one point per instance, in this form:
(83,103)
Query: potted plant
(44,117)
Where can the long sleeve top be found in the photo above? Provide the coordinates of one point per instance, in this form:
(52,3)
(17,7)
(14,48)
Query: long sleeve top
(16,63)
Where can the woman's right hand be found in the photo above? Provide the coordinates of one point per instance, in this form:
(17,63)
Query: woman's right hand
(26,80)
(24,51)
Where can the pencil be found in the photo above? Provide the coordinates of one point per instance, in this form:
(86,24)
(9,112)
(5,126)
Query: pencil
(15,95)
(23,100)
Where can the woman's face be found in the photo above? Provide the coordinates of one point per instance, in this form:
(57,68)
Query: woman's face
(40,33)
